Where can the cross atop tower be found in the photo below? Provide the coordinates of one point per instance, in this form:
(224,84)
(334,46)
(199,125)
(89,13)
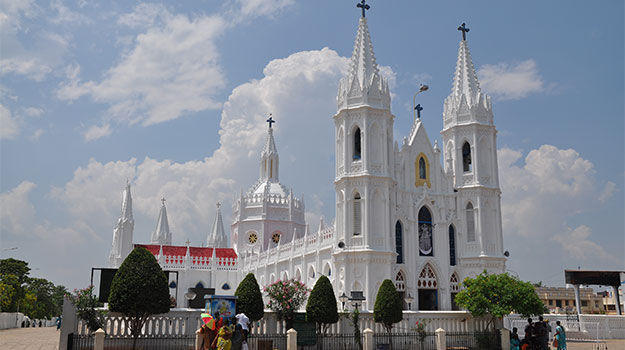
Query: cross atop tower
(418,108)
(464,31)
(270,120)
(218,205)
(163,200)
(363,6)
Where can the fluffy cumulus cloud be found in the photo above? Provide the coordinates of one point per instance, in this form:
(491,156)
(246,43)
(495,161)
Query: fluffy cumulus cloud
(511,81)
(542,194)
(8,125)
(95,132)
(172,69)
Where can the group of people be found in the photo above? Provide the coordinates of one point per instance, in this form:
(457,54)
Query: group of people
(537,336)
(226,334)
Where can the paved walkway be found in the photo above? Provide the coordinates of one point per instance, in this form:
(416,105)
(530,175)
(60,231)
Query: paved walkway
(616,344)
(46,338)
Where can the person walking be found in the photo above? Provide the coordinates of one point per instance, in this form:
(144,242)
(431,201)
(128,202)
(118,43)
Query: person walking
(542,334)
(530,335)
(515,343)
(560,337)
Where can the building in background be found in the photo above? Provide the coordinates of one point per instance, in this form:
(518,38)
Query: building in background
(561,300)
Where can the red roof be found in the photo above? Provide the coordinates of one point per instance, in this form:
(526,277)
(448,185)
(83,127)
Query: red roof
(171,250)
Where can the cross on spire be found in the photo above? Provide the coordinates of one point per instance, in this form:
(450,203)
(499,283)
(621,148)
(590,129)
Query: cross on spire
(218,205)
(163,200)
(464,31)
(270,120)
(363,6)
(418,108)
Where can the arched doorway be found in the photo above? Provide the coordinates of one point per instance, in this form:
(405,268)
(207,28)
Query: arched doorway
(427,286)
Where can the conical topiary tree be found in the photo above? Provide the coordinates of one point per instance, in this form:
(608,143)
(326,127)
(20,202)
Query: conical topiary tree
(388,306)
(249,298)
(321,306)
(139,289)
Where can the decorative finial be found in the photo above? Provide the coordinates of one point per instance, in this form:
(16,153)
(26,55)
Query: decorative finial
(188,242)
(163,200)
(218,205)
(270,120)
(464,31)
(363,6)
(418,108)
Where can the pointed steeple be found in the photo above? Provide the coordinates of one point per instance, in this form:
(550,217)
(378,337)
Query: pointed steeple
(127,203)
(466,103)
(123,231)
(162,235)
(269,159)
(217,238)
(363,84)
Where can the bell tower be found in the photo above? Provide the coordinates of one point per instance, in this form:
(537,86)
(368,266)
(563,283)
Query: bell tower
(470,156)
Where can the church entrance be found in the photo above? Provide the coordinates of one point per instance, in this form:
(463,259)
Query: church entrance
(428,299)
(427,286)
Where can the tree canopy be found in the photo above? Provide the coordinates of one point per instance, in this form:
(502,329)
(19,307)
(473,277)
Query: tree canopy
(388,308)
(285,298)
(499,295)
(249,298)
(139,289)
(321,307)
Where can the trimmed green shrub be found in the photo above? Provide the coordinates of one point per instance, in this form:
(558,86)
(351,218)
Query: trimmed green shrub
(249,298)
(139,289)
(388,305)
(321,306)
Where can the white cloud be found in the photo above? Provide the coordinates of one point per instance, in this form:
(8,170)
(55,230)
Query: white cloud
(66,15)
(511,81)
(577,243)
(542,196)
(9,127)
(172,70)
(37,134)
(254,8)
(95,132)
(608,191)
(298,90)
(16,209)
(33,111)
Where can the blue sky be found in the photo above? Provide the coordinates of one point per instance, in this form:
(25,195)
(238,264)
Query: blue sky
(173,96)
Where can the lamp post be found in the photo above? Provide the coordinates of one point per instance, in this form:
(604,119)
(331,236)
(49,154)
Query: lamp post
(414,101)
(343,298)
(409,299)
(356,298)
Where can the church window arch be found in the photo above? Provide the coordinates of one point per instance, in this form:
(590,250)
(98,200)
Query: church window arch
(225,286)
(454,288)
(400,281)
(199,285)
(357,144)
(311,272)
(399,242)
(426,247)
(285,275)
(466,157)
(357,287)
(427,285)
(298,274)
(452,245)
(327,270)
(422,170)
(470,214)
(357,214)
(272,278)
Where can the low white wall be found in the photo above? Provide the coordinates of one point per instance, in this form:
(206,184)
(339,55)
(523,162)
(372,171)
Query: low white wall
(593,326)
(11,319)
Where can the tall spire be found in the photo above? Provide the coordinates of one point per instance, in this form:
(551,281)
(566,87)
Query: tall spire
(363,84)
(217,237)
(269,159)
(466,103)
(162,235)
(123,231)
(127,203)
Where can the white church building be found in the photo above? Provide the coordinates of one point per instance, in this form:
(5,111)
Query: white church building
(425,216)
(400,214)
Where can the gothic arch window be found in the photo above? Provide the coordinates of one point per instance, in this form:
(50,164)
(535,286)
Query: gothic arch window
(466,157)
(272,278)
(298,275)
(327,270)
(225,286)
(454,288)
(426,247)
(452,245)
(285,275)
(470,213)
(427,285)
(311,272)
(357,144)
(357,214)
(399,242)
(400,281)
(199,285)
(422,170)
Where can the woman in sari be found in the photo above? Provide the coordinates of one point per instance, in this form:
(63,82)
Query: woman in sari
(515,343)
(560,336)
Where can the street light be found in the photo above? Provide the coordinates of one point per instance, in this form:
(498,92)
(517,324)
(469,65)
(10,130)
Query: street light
(356,298)
(409,299)
(414,101)
(343,298)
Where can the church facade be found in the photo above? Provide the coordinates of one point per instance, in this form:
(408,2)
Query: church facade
(425,216)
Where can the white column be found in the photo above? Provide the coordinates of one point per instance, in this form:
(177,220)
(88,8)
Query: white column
(368,335)
(98,343)
(441,340)
(617,299)
(578,304)
(291,339)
